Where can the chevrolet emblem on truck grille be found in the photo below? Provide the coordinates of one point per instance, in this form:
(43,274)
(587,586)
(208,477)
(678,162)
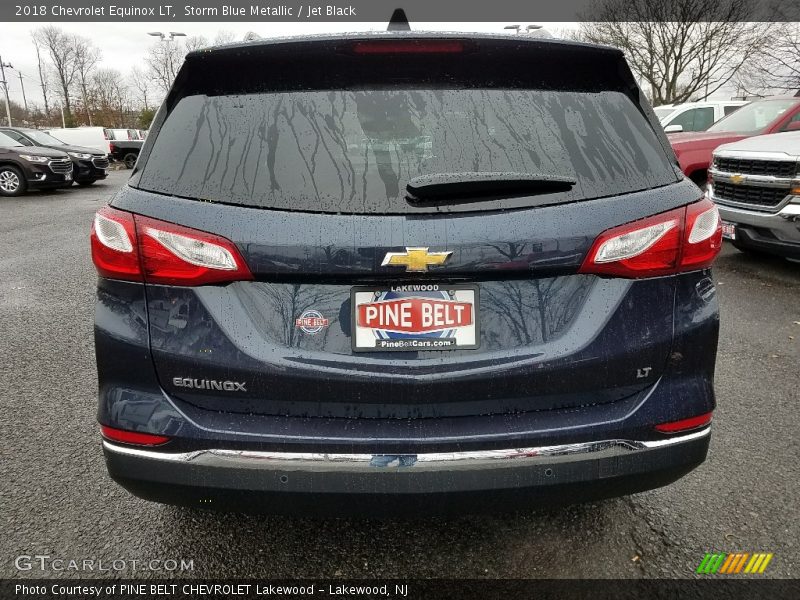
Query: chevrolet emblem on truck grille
(737,178)
(416,260)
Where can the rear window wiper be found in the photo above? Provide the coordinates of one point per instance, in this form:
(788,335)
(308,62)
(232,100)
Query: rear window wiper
(442,187)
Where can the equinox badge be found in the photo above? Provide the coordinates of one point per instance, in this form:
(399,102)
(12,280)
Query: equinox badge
(416,260)
(209,384)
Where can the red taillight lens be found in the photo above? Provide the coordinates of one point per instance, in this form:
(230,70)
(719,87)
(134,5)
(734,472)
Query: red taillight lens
(683,239)
(176,255)
(408,47)
(643,248)
(137,248)
(114,251)
(132,437)
(685,424)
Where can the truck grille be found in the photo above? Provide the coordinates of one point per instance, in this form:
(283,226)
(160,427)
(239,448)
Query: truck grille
(776,168)
(61,166)
(759,197)
(101,162)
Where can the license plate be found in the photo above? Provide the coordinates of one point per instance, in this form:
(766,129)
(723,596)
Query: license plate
(415,317)
(728,230)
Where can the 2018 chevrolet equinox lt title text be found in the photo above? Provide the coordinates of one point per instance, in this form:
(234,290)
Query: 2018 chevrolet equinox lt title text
(404,271)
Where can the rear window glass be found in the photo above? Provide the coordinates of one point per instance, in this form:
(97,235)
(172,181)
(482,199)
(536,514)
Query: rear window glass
(354,151)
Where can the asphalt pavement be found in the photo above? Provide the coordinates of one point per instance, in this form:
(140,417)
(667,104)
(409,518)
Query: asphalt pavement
(56,499)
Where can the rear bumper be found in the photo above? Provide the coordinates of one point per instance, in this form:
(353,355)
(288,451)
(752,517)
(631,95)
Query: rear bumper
(319,483)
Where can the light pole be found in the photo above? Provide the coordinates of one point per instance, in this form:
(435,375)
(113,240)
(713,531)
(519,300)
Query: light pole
(528,29)
(5,87)
(168,37)
(24,98)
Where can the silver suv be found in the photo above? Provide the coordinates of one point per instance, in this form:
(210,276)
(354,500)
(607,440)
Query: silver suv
(756,184)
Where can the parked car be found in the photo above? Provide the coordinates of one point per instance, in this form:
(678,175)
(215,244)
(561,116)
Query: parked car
(770,115)
(88,164)
(88,137)
(375,286)
(695,116)
(126,151)
(24,168)
(756,184)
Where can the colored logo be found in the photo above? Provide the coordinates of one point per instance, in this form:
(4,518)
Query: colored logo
(311,321)
(737,178)
(416,260)
(731,564)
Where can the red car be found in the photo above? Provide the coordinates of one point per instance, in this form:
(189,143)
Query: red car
(771,115)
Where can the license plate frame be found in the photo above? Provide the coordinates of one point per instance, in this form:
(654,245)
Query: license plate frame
(728,230)
(461,293)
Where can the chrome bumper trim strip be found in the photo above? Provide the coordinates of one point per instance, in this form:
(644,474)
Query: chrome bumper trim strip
(436,461)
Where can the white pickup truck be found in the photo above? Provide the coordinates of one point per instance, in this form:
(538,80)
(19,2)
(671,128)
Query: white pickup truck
(695,116)
(755,182)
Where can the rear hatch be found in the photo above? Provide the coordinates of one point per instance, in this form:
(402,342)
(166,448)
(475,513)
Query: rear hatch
(413,211)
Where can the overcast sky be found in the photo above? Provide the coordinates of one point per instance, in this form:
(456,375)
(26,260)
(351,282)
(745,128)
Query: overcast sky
(124,45)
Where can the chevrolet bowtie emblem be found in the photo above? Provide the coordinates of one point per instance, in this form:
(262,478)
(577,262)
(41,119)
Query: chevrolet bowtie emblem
(415,260)
(737,179)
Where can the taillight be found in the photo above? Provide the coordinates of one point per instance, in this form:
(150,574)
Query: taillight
(683,239)
(703,235)
(408,47)
(176,255)
(685,424)
(129,247)
(114,245)
(132,437)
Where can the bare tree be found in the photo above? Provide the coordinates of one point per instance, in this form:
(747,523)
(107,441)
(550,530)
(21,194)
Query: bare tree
(682,49)
(62,50)
(111,97)
(224,36)
(777,67)
(163,60)
(86,58)
(42,78)
(140,83)
(195,42)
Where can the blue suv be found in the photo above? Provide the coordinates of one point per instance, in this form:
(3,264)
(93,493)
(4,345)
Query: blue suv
(404,272)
